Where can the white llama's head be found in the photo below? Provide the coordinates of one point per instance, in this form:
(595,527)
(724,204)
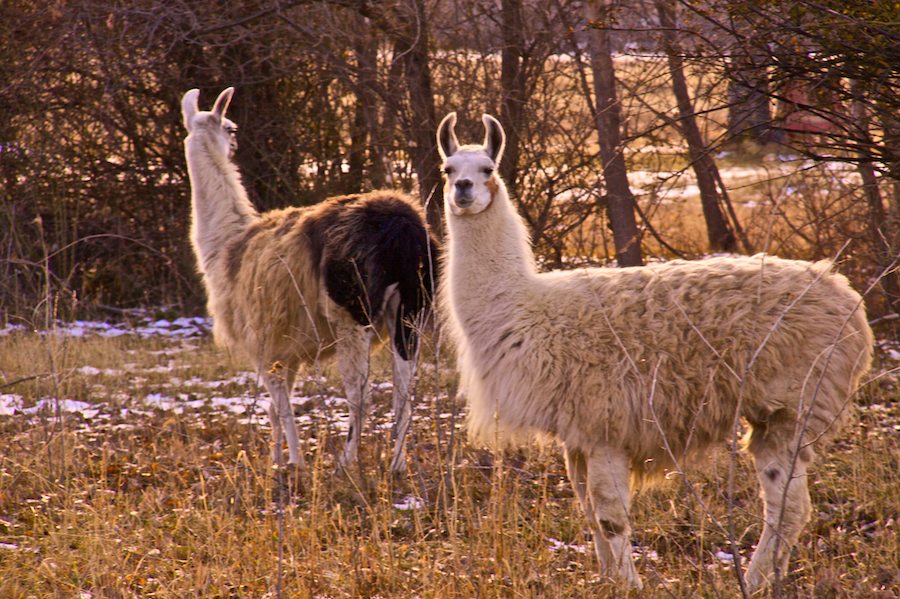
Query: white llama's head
(470,172)
(222,132)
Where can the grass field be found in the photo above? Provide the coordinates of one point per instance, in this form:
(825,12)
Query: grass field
(137,465)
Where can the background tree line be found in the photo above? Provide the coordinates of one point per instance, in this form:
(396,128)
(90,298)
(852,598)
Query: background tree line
(610,105)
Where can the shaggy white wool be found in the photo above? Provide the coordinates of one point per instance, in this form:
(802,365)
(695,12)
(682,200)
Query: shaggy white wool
(636,370)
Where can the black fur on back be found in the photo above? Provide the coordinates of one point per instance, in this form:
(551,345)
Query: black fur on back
(363,244)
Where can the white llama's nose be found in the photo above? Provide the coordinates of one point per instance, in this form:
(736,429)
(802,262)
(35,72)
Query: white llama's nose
(464,185)
(463,192)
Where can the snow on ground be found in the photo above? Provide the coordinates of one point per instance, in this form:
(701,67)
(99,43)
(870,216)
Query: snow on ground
(410,503)
(557,545)
(146,393)
(184,327)
(9,403)
(679,186)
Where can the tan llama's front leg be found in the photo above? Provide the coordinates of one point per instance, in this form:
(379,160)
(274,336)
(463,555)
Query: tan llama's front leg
(353,342)
(404,353)
(404,372)
(280,411)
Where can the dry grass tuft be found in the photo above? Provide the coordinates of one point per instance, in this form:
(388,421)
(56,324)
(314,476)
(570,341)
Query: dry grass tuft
(130,499)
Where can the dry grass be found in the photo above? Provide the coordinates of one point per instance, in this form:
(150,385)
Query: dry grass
(139,500)
(152,503)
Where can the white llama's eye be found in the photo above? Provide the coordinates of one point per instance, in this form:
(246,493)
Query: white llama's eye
(448,170)
(488,171)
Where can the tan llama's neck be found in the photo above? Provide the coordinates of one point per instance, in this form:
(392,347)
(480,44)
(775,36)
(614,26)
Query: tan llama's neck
(219,202)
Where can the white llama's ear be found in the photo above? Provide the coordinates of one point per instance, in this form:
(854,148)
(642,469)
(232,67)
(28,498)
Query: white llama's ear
(446,136)
(494,137)
(189,107)
(222,102)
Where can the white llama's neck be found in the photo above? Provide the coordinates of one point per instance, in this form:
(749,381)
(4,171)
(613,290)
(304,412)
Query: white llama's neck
(220,208)
(489,257)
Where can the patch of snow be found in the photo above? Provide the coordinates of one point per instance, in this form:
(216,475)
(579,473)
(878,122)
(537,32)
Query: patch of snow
(645,554)
(9,546)
(184,327)
(164,369)
(557,545)
(93,371)
(11,328)
(410,502)
(725,558)
(238,405)
(9,403)
(65,405)
(679,193)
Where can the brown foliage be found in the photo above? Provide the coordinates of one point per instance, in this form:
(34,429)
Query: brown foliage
(94,183)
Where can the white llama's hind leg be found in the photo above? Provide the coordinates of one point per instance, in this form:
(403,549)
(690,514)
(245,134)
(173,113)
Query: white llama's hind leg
(281,411)
(609,497)
(404,370)
(353,342)
(786,507)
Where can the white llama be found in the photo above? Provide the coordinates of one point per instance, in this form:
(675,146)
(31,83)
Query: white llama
(635,370)
(292,286)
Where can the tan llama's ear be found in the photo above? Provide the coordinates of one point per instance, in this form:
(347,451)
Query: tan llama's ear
(189,107)
(222,102)
(494,138)
(446,136)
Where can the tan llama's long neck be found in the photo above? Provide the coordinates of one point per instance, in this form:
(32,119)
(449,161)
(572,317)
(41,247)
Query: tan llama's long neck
(220,207)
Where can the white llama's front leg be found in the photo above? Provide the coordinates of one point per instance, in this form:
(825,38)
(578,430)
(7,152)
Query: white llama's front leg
(610,497)
(280,411)
(353,343)
(787,509)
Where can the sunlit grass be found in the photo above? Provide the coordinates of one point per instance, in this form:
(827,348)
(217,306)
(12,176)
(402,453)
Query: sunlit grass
(153,503)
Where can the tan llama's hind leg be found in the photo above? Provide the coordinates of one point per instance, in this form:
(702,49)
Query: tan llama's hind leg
(786,503)
(277,432)
(352,346)
(601,483)
(404,370)
(281,413)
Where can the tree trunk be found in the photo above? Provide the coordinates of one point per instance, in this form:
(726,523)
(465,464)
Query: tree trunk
(620,201)
(365,158)
(512,82)
(890,124)
(749,115)
(881,230)
(412,47)
(356,161)
(721,237)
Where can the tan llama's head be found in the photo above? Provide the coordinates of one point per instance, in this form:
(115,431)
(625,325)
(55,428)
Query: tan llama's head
(470,172)
(220,131)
